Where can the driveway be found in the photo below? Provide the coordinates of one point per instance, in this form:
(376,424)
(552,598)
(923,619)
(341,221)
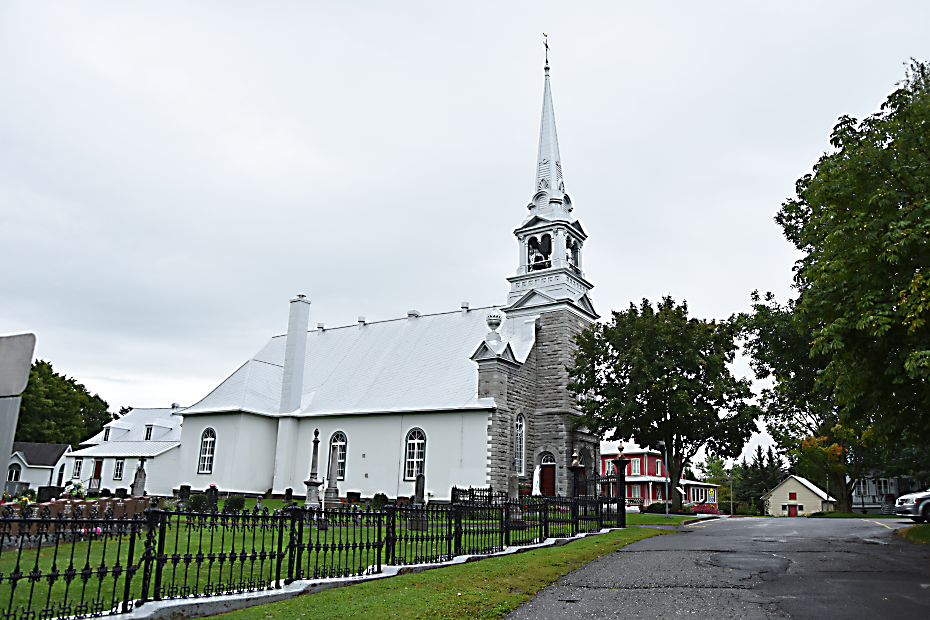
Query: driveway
(751,568)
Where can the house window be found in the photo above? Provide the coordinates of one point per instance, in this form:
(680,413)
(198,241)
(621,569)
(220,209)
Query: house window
(862,487)
(416,454)
(637,490)
(61,474)
(106,434)
(634,465)
(659,493)
(207,449)
(800,507)
(784,507)
(14,472)
(118,470)
(698,494)
(148,432)
(76,472)
(519,435)
(883,486)
(339,440)
(792,496)
(658,467)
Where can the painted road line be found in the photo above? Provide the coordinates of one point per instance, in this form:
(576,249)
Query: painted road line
(877,523)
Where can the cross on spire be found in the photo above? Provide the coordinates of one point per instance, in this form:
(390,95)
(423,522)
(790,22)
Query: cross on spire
(546,45)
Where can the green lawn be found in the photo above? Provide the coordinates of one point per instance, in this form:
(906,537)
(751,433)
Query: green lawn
(917,533)
(487,589)
(634,518)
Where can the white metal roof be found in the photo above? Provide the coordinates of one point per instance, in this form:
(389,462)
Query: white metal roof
(810,485)
(126,449)
(410,364)
(166,426)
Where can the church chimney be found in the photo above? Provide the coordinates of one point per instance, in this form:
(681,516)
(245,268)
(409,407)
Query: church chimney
(295,352)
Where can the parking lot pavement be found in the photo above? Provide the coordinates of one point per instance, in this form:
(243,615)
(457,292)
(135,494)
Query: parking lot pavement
(751,568)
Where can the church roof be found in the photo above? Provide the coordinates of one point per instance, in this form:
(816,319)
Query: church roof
(419,363)
(165,423)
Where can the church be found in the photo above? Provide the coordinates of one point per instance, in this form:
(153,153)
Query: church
(463,397)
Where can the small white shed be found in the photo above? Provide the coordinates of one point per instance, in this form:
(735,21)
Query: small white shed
(795,496)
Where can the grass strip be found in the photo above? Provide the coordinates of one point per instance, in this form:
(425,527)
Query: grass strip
(633,518)
(486,589)
(919,534)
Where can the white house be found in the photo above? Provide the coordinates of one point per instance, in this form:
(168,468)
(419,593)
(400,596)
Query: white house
(795,496)
(465,397)
(37,464)
(111,457)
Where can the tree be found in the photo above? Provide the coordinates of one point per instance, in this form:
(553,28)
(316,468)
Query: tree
(653,374)
(714,470)
(757,478)
(862,220)
(58,409)
(800,410)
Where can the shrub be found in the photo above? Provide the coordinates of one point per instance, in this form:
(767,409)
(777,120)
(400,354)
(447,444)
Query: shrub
(234,502)
(657,507)
(379,501)
(105,493)
(705,509)
(197,502)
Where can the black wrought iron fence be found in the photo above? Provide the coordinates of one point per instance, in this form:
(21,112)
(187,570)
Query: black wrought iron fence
(87,561)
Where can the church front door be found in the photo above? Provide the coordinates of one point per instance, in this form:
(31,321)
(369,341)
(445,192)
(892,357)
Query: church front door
(547,479)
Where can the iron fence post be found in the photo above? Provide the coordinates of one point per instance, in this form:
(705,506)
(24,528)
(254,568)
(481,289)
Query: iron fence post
(380,540)
(148,556)
(282,524)
(391,533)
(160,556)
(544,518)
(457,535)
(505,513)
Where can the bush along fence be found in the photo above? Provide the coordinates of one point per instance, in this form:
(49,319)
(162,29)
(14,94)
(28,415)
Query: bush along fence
(86,561)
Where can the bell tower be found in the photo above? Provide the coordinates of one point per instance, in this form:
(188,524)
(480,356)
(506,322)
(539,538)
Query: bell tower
(550,240)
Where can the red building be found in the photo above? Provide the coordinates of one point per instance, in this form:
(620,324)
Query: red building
(646,478)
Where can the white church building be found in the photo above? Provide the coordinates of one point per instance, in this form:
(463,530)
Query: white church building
(463,397)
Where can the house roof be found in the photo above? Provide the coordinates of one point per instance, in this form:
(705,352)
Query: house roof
(165,423)
(40,454)
(807,483)
(609,449)
(411,364)
(126,449)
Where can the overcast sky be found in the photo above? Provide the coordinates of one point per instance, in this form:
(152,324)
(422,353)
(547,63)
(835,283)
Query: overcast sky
(172,173)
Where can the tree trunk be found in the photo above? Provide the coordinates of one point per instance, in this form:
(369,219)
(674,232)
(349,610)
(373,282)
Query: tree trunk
(842,491)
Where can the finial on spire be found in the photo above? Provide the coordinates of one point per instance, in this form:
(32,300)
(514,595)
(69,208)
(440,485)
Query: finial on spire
(546,45)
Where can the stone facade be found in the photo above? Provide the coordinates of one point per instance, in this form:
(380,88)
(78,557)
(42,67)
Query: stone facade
(537,389)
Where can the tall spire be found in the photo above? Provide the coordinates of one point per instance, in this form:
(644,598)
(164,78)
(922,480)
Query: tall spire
(549,185)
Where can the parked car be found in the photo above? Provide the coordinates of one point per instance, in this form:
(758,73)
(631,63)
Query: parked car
(914,505)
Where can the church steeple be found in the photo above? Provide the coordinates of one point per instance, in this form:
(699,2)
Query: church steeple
(549,276)
(550,188)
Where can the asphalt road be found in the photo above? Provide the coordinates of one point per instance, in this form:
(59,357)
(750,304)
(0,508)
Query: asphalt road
(751,568)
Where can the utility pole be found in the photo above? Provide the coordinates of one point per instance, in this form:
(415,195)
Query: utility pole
(665,460)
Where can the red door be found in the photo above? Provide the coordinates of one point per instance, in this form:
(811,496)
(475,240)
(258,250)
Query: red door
(98,467)
(547,480)
(792,510)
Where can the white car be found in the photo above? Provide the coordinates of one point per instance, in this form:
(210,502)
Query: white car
(914,505)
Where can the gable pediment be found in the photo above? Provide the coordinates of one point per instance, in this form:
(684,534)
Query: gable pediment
(532,298)
(485,353)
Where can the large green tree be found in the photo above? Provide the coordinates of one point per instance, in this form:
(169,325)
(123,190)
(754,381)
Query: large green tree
(800,410)
(862,220)
(653,374)
(58,409)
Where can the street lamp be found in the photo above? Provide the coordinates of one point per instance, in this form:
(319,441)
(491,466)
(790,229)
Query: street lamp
(665,460)
(730,477)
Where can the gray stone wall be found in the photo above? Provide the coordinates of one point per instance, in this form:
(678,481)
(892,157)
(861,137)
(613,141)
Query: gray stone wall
(537,390)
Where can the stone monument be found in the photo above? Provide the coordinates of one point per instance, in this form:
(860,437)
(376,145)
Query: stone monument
(313,485)
(418,519)
(138,483)
(331,495)
(213,496)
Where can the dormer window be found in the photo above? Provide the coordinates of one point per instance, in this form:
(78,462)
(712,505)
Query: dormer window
(106,434)
(539,252)
(148,432)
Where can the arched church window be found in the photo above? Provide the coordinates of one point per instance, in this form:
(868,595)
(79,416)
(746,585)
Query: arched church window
(14,473)
(548,459)
(519,436)
(571,252)
(207,450)
(416,454)
(539,252)
(342,443)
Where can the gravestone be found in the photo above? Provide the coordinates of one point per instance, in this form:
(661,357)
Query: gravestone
(288,495)
(213,496)
(331,496)
(313,485)
(43,494)
(353,497)
(185,492)
(138,482)
(258,503)
(121,493)
(418,520)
